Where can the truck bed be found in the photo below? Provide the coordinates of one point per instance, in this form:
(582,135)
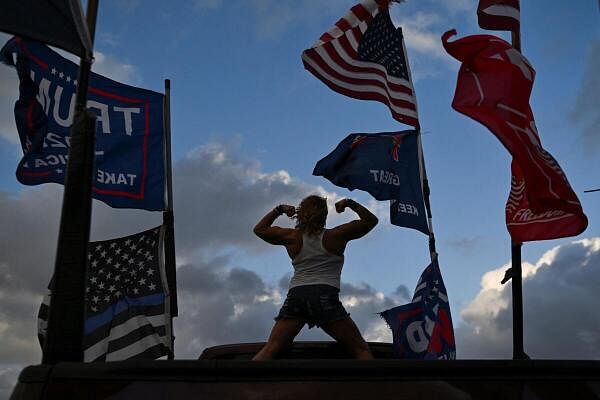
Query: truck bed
(219,375)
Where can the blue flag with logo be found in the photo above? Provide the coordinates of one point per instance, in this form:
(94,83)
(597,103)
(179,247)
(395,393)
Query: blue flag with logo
(423,328)
(387,166)
(129,164)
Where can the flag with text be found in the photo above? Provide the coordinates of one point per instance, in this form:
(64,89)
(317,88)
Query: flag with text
(423,328)
(494,85)
(129,164)
(387,165)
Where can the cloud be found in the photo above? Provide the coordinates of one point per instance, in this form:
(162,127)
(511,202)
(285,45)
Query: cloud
(560,316)
(275,17)
(8,378)
(422,31)
(110,67)
(220,305)
(586,112)
(219,196)
(419,36)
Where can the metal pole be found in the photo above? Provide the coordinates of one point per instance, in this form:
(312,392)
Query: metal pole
(517,302)
(67,308)
(516,271)
(168,217)
(426,192)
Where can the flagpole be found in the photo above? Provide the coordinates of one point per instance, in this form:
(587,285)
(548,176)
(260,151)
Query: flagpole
(516,270)
(168,218)
(67,307)
(426,192)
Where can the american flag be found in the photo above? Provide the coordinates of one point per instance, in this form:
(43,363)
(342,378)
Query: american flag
(127,300)
(502,15)
(423,328)
(363,56)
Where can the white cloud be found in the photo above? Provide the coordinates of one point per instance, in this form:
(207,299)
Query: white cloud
(219,196)
(419,35)
(560,320)
(110,67)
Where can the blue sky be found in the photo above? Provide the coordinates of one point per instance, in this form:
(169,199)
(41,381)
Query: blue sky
(240,95)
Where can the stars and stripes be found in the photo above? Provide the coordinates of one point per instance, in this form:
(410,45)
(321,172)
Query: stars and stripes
(363,56)
(126,301)
(499,15)
(423,328)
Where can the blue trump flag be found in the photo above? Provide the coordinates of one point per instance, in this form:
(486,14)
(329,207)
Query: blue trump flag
(423,328)
(129,165)
(387,165)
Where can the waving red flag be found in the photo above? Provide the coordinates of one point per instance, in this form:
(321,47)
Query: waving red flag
(494,85)
(499,14)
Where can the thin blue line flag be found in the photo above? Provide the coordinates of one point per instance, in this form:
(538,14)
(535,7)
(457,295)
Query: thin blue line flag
(129,165)
(127,299)
(387,166)
(423,328)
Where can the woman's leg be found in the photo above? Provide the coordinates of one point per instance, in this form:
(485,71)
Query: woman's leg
(346,332)
(283,333)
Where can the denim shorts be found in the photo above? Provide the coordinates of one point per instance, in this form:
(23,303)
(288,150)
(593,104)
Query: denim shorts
(313,304)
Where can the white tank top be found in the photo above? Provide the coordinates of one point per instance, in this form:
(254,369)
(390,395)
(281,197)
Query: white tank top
(316,266)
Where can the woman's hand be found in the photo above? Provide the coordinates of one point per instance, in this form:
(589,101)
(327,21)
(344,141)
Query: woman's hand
(286,209)
(341,205)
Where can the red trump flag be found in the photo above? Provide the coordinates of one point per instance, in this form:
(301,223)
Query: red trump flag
(493,87)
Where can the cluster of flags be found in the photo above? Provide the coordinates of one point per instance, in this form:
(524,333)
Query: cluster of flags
(363,56)
(130,292)
(130,295)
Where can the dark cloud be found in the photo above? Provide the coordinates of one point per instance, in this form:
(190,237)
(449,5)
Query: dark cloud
(402,293)
(560,314)
(230,305)
(221,206)
(219,197)
(8,378)
(221,305)
(586,113)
